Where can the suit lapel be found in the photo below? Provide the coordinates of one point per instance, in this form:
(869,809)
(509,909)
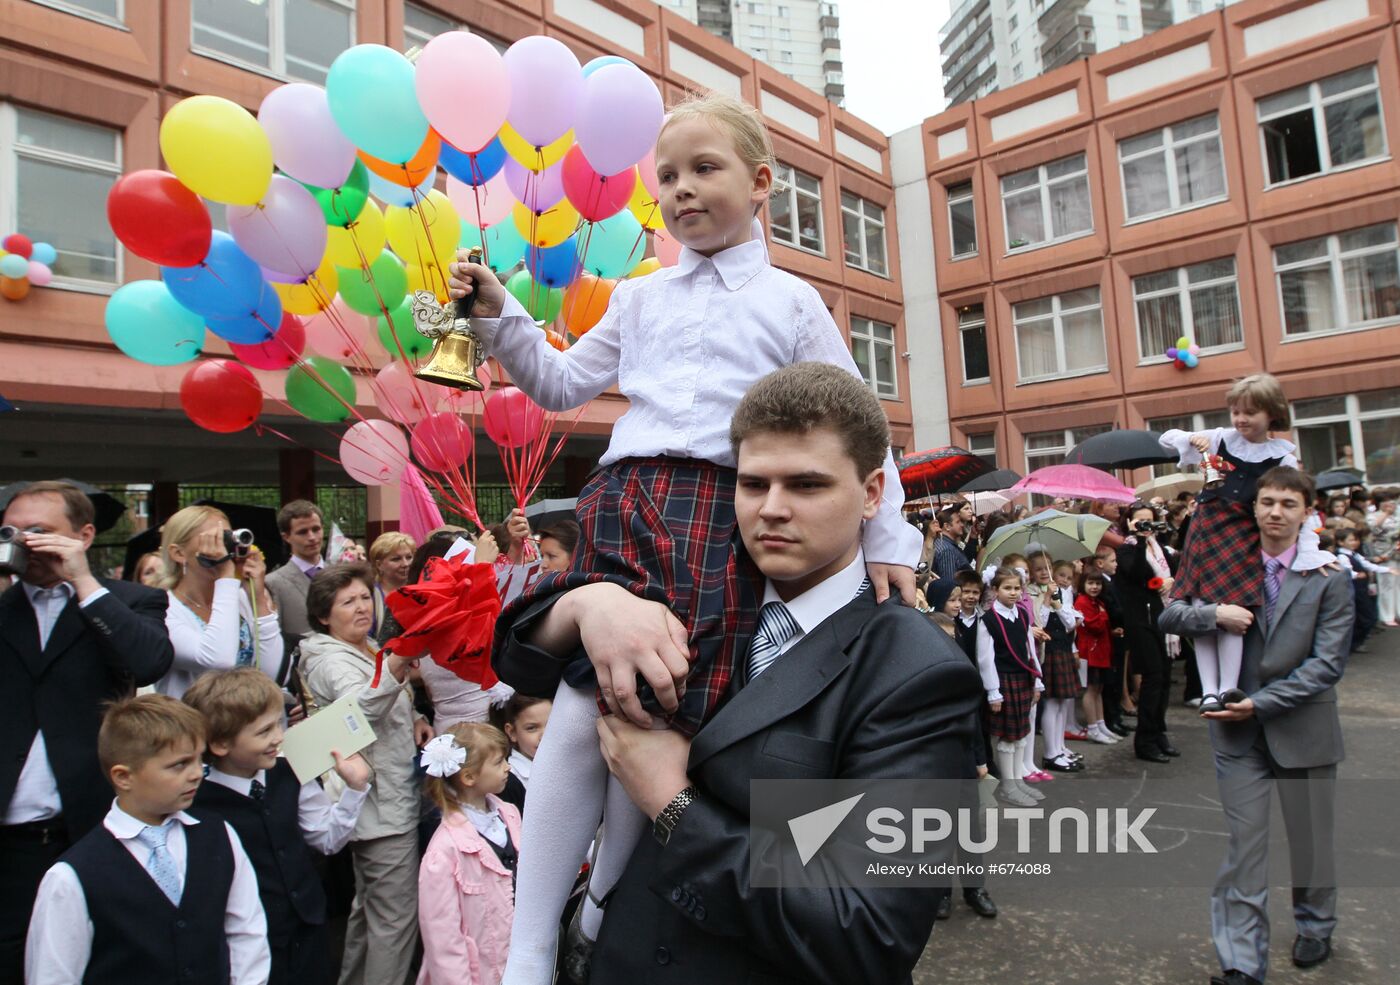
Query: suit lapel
(792,682)
(23,639)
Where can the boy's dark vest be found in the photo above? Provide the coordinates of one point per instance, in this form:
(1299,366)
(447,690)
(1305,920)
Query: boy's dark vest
(287,882)
(1015,660)
(138,935)
(966,637)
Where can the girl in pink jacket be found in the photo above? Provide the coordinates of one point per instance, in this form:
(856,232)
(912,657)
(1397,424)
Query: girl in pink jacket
(466,885)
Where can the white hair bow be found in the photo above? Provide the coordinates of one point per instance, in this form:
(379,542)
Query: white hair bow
(988,573)
(442,757)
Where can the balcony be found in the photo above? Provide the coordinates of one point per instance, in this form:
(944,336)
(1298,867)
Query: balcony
(835,93)
(1074,41)
(831,65)
(1156,14)
(828,20)
(830,44)
(1057,14)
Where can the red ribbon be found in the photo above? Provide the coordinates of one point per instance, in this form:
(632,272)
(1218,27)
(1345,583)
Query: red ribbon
(451,615)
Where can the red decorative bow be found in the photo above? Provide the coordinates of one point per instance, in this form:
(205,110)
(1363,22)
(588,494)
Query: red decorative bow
(450,614)
(1155,584)
(1219,463)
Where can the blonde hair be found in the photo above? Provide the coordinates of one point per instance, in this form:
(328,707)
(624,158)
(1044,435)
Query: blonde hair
(1262,391)
(479,740)
(743,124)
(231,700)
(386,544)
(177,532)
(135,730)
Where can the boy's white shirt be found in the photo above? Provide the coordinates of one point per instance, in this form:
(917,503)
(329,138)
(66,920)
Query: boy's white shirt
(325,825)
(667,342)
(59,944)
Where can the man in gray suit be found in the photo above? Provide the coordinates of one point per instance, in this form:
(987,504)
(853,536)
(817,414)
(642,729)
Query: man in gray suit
(302,528)
(1286,729)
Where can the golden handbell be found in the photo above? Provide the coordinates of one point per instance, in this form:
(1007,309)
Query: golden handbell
(457,351)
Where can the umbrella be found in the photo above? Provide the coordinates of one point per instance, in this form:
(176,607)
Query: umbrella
(418,511)
(548,512)
(108,508)
(939,470)
(987,502)
(262,520)
(1339,479)
(992,481)
(1075,482)
(1064,536)
(1171,486)
(1124,449)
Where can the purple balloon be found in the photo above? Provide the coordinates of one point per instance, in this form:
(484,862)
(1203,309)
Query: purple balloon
(545,79)
(306,143)
(619,115)
(285,232)
(536,190)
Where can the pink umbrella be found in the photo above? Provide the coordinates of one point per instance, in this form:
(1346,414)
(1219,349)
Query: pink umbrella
(419,513)
(1074,482)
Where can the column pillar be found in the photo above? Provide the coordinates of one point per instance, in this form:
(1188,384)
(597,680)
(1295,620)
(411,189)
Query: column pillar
(296,474)
(382,512)
(164,502)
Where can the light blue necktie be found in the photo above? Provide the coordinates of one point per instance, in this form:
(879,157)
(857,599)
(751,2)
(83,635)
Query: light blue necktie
(160,864)
(1273,577)
(775,627)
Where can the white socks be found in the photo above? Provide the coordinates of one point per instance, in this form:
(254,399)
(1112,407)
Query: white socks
(1027,752)
(1009,788)
(623,824)
(1025,788)
(1218,659)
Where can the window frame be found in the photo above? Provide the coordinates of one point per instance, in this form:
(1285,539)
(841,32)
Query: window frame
(867,335)
(1182,290)
(276,42)
(860,214)
(794,190)
(1197,421)
(1071,438)
(1355,418)
(1043,185)
(1334,261)
(969,197)
(76,9)
(1057,314)
(1168,147)
(972,438)
(1316,105)
(963,329)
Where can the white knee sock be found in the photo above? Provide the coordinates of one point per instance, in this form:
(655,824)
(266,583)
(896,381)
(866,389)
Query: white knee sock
(1230,652)
(623,824)
(1008,759)
(1207,662)
(568,781)
(1027,745)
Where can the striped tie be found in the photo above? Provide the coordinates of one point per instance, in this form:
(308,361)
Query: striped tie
(775,627)
(1273,576)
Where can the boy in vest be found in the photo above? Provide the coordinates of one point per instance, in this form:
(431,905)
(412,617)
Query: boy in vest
(152,896)
(278,819)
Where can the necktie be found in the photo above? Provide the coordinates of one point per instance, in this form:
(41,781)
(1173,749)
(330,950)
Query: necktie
(256,790)
(775,627)
(160,864)
(1273,577)
(313,572)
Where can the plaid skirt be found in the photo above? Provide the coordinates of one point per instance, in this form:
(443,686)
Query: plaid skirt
(1014,720)
(664,529)
(1220,560)
(1061,669)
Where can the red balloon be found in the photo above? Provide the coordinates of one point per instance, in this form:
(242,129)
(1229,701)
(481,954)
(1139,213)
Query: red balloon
(159,219)
(511,419)
(221,395)
(279,352)
(441,442)
(596,196)
(21,244)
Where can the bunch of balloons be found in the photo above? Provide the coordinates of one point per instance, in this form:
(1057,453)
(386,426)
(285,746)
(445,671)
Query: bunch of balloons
(24,263)
(1185,354)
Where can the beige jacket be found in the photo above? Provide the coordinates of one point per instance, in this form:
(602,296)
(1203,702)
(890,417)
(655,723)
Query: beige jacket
(332,669)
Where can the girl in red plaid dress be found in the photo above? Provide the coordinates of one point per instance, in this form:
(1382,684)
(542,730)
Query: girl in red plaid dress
(657,584)
(1011,676)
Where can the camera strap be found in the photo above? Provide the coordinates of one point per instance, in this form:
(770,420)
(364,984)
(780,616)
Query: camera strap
(213,562)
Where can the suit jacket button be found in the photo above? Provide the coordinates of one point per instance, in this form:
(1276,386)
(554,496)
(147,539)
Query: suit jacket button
(699,913)
(663,956)
(676,895)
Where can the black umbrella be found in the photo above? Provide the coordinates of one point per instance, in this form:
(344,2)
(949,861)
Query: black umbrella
(1126,449)
(1339,479)
(992,481)
(548,512)
(108,509)
(262,520)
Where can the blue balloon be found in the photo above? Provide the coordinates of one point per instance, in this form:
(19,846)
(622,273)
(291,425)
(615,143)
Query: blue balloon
(372,98)
(13,265)
(554,266)
(603,60)
(227,284)
(474,169)
(391,194)
(613,247)
(150,326)
(254,326)
(505,247)
(44,253)
(1191,360)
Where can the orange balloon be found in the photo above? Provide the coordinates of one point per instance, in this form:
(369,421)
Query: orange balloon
(409,175)
(585,301)
(14,288)
(556,340)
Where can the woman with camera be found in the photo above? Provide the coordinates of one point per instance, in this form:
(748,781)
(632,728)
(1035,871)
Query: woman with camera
(220,613)
(1144,578)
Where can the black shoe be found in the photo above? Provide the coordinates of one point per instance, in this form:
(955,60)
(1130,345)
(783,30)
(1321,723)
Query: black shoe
(1308,952)
(1232,695)
(1234,978)
(1165,744)
(1153,755)
(1119,729)
(980,902)
(1054,766)
(945,907)
(578,951)
(1210,703)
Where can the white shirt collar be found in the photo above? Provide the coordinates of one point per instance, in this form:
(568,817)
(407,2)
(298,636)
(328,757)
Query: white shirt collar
(520,765)
(63,587)
(1013,612)
(305,567)
(968,619)
(814,606)
(238,784)
(125,827)
(736,265)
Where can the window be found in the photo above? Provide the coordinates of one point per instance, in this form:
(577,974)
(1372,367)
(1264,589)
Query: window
(784,34)
(292,38)
(1193,7)
(1060,335)
(784,11)
(1050,447)
(962,219)
(1200,302)
(761,54)
(1016,71)
(1186,422)
(972,334)
(784,56)
(61,171)
(1015,47)
(984,446)
(1335,283)
(795,209)
(757,8)
(1177,167)
(872,345)
(757,31)
(1323,126)
(1048,203)
(863,226)
(421,25)
(107,11)
(1123,24)
(1359,430)
(1011,24)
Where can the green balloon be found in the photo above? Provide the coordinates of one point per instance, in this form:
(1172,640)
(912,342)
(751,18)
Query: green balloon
(505,247)
(543,304)
(342,206)
(387,280)
(149,325)
(400,324)
(310,396)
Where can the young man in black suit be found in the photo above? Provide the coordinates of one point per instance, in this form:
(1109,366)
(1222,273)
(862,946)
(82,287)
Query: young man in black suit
(69,643)
(848,689)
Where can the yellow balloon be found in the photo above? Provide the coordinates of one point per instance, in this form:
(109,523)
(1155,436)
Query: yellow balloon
(216,148)
(648,266)
(314,294)
(548,228)
(424,232)
(433,278)
(645,208)
(534,158)
(367,232)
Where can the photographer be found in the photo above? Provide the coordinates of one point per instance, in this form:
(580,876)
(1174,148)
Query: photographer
(220,614)
(1143,582)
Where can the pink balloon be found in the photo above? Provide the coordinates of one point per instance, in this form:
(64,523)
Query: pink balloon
(451,66)
(468,402)
(279,352)
(545,79)
(285,232)
(666,247)
(511,419)
(401,397)
(340,332)
(374,452)
(39,273)
(596,196)
(442,442)
(619,115)
(493,198)
(536,190)
(646,167)
(306,143)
